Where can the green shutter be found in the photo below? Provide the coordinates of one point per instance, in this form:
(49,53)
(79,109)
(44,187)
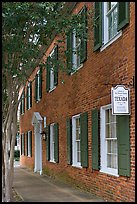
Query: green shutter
(123,14)
(95,156)
(26,143)
(69,141)
(48,74)
(69,52)
(56,66)
(36,87)
(48,143)
(123,136)
(97,25)
(84,139)
(30,94)
(56,150)
(40,83)
(83,50)
(31,143)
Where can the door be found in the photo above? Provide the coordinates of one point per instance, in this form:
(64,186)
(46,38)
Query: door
(38,148)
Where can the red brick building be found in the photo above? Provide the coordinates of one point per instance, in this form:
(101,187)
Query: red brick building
(85,143)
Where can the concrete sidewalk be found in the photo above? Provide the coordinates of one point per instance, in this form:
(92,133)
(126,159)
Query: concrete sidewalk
(35,188)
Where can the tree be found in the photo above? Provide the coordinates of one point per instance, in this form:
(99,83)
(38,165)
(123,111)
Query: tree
(27,30)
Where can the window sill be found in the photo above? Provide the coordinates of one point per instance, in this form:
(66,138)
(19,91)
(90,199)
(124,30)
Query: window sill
(111,41)
(75,70)
(76,166)
(52,161)
(52,89)
(108,172)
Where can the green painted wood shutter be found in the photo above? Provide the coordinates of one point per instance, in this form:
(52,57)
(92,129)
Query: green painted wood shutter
(30,94)
(56,150)
(84,139)
(36,87)
(56,66)
(48,74)
(31,143)
(123,14)
(97,25)
(26,143)
(69,140)
(40,83)
(83,50)
(48,143)
(95,155)
(69,52)
(123,136)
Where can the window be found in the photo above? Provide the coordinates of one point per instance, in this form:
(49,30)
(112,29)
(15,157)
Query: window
(76,141)
(109,20)
(52,142)
(109,152)
(29,145)
(22,144)
(29,95)
(52,70)
(22,104)
(38,85)
(77,44)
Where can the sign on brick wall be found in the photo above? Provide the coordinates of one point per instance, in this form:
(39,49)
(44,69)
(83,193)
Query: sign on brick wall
(120,99)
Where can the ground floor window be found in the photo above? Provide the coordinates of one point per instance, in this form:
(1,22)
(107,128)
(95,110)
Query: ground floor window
(76,141)
(108,138)
(52,142)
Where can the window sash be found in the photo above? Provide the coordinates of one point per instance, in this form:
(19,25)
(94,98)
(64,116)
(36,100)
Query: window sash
(76,150)
(52,143)
(109,29)
(76,46)
(29,145)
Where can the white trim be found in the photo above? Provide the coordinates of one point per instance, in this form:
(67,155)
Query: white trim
(111,41)
(37,122)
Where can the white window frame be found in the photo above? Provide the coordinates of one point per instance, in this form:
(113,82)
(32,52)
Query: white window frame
(52,142)
(38,87)
(22,103)
(29,150)
(105,37)
(29,96)
(103,144)
(52,86)
(74,146)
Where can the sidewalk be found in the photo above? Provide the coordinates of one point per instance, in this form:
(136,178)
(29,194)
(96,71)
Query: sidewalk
(35,188)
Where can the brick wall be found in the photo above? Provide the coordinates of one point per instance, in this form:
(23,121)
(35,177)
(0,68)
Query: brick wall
(82,92)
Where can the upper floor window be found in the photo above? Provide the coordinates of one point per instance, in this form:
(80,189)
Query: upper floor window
(52,70)
(38,85)
(29,95)
(109,20)
(77,44)
(22,104)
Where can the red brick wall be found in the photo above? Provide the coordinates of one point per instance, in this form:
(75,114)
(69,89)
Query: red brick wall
(82,92)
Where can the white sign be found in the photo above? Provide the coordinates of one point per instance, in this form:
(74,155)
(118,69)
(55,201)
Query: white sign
(120,100)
